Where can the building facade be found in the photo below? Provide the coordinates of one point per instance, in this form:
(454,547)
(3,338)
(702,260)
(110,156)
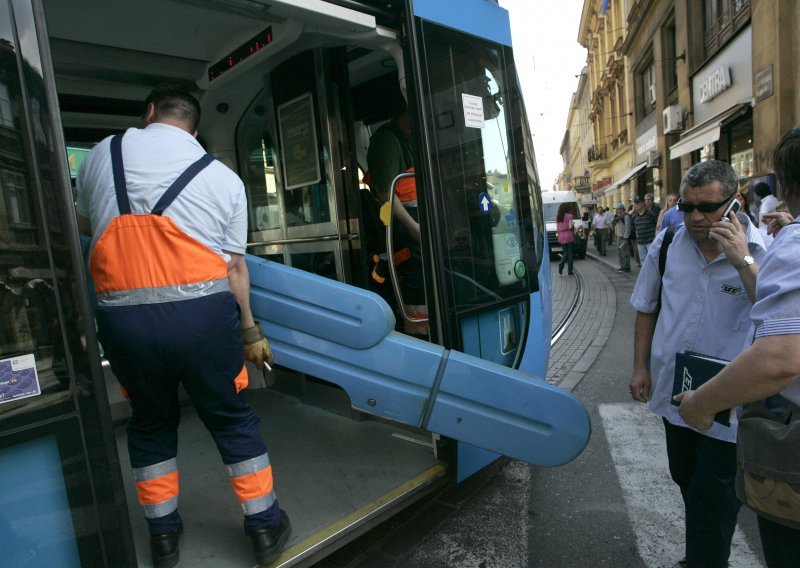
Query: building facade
(575,145)
(674,82)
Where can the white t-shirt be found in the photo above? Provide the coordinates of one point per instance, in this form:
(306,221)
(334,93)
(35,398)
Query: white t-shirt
(211,209)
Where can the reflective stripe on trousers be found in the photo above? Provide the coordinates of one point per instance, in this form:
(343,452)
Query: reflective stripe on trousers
(157,488)
(252,481)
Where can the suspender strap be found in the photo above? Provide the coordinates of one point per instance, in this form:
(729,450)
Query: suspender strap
(119,175)
(178,185)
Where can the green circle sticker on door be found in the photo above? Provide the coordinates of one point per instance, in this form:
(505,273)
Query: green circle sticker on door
(519,269)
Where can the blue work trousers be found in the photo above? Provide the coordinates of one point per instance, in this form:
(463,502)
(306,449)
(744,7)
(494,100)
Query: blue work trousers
(152,349)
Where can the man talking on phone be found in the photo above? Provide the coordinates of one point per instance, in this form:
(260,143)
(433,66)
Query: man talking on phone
(701,303)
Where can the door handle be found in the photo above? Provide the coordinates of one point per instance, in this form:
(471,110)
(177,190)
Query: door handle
(390,249)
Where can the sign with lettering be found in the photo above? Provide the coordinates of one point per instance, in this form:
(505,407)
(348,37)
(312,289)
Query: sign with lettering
(764,84)
(18,378)
(715,83)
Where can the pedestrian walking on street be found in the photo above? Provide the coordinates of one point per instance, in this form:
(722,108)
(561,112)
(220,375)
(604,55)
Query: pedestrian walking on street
(768,370)
(700,304)
(644,224)
(670,216)
(566,235)
(622,228)
(600,231)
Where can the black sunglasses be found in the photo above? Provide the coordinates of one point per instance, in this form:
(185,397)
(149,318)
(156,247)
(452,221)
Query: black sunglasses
(702,207)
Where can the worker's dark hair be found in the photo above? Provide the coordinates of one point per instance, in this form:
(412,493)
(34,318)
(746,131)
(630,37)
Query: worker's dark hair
(786,162)
(172,100)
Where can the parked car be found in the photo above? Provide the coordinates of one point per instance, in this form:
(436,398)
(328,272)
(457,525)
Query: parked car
(551,201)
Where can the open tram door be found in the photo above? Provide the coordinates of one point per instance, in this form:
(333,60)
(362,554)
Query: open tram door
(478,190)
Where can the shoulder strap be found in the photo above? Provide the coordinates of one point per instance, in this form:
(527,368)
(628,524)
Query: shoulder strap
(662,254)
(120,187)
(177,186)
(662,261)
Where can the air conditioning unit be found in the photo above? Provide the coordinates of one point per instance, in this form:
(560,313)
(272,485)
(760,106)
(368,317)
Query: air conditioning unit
(673,119)
(652,92)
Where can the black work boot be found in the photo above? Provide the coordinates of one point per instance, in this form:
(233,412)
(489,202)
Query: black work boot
(164,548)
(268,543)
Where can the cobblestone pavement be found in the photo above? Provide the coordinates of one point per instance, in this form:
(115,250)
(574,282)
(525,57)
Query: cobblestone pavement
(577,348)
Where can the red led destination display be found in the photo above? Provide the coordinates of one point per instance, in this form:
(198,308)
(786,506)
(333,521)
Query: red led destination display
(239,54)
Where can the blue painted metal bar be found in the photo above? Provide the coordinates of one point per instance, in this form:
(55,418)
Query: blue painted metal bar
(344,335)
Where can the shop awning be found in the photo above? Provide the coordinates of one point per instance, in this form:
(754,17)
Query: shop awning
(625,178)
(705,133)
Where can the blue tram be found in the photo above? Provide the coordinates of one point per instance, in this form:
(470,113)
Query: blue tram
(361,420)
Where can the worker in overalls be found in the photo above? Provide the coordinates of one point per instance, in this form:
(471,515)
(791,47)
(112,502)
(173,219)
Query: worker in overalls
(169,227)
(390,154)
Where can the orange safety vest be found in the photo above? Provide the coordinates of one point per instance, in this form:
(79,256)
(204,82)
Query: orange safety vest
(145,259)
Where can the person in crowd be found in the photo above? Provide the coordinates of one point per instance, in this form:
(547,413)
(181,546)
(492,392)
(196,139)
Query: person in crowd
(670,216)
(390,154)
(586,225)
(600,231)
(707,286)
(622,228)
(173,295)
(566,236)
(768,369)
(644,223)
(745,207)
(651,205)
(767,204)
(609,213)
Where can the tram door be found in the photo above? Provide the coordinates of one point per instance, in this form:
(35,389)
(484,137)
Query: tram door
(475,188)
(301,187)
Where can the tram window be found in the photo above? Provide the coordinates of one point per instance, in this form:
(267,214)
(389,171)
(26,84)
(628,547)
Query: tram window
(475,169)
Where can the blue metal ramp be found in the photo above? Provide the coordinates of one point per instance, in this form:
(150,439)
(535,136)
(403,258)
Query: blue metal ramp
(344,335)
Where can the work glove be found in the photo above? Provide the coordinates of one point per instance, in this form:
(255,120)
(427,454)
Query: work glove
(256,346)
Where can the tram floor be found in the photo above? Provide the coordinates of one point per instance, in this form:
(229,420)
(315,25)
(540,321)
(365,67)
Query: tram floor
(329,470)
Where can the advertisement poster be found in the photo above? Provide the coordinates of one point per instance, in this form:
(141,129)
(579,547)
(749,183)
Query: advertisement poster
(299,137)
(18,378)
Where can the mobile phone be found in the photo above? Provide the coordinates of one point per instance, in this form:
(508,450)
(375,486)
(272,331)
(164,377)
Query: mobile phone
(733,207)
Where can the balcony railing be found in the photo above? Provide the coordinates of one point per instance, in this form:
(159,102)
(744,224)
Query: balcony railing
(597,152)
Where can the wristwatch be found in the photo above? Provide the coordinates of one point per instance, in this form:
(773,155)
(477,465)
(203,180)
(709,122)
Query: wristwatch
(746,260)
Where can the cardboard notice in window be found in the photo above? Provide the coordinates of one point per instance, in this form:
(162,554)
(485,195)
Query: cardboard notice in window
(18,378)
(473,111)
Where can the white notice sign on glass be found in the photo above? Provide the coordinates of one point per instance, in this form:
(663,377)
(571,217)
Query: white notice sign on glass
(473,111)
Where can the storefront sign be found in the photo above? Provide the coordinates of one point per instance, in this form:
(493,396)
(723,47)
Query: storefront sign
(715,83)
(601,184)
(646,143)
(764,84)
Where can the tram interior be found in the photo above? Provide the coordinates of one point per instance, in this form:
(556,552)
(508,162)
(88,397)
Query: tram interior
(336,472)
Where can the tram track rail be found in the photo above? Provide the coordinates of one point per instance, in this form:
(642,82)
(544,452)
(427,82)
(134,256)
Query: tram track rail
(572,311)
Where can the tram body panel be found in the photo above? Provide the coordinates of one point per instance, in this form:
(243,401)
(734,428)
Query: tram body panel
(105,58)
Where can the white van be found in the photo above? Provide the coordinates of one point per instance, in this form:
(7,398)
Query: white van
(551,200)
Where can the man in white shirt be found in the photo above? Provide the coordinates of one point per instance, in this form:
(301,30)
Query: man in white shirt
(705,296)
(600,225)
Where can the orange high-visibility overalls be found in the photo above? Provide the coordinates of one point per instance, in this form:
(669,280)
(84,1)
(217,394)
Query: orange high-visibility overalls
(166,316)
